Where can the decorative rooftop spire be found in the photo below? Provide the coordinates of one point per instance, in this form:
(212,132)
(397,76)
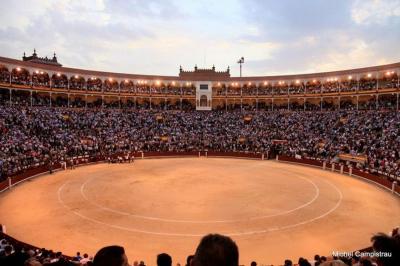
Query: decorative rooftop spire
(41,60)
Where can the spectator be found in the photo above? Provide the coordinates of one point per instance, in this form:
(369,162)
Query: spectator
(189,260)
(355,261)
(111,256)
(216,250)
(164,259)
(317,260)
(8,258)
(367,262)
(303,262)
(85,259)
(388,245)
(334,263)
(32,262)
(288,263)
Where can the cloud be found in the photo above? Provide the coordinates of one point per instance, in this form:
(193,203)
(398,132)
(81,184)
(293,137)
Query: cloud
(17,14)
(156,36)
(288,20)
(315,36)
(375,11)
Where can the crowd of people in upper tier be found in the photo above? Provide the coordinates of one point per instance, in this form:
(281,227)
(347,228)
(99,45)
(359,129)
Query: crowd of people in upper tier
(96,84)
(388,101)
(213,250)
(35,136)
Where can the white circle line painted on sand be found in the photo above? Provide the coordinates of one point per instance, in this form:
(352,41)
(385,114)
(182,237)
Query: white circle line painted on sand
(316,195)
(113,225)
(274,229)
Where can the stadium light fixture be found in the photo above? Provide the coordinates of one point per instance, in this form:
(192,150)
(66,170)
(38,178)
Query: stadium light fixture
(240,62)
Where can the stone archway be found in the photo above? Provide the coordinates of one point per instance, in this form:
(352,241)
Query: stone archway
(203,101)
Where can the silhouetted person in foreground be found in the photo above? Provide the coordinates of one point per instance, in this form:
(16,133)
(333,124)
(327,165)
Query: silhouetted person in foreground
(189,260)
(164,259)
(111,256)
(390,245)
(216,250)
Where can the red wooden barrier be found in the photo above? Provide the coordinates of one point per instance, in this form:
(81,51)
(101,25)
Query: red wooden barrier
(3,185)
(234,154)
(304,161)
(170,153)
(378,179)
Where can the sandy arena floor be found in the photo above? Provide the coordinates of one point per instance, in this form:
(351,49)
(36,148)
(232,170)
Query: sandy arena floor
(272,210)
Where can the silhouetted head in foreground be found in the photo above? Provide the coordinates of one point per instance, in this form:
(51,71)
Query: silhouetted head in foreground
(189,260)
(389,246)
(216,250)
(111,256)
(164,259)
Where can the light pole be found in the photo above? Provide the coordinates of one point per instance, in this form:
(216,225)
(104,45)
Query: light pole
(240,62)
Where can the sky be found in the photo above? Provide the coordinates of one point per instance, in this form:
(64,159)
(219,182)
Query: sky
(157,36)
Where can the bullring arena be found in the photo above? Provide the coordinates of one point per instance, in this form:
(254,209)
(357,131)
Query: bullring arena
(287,166)
(272,209)
(200,133)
